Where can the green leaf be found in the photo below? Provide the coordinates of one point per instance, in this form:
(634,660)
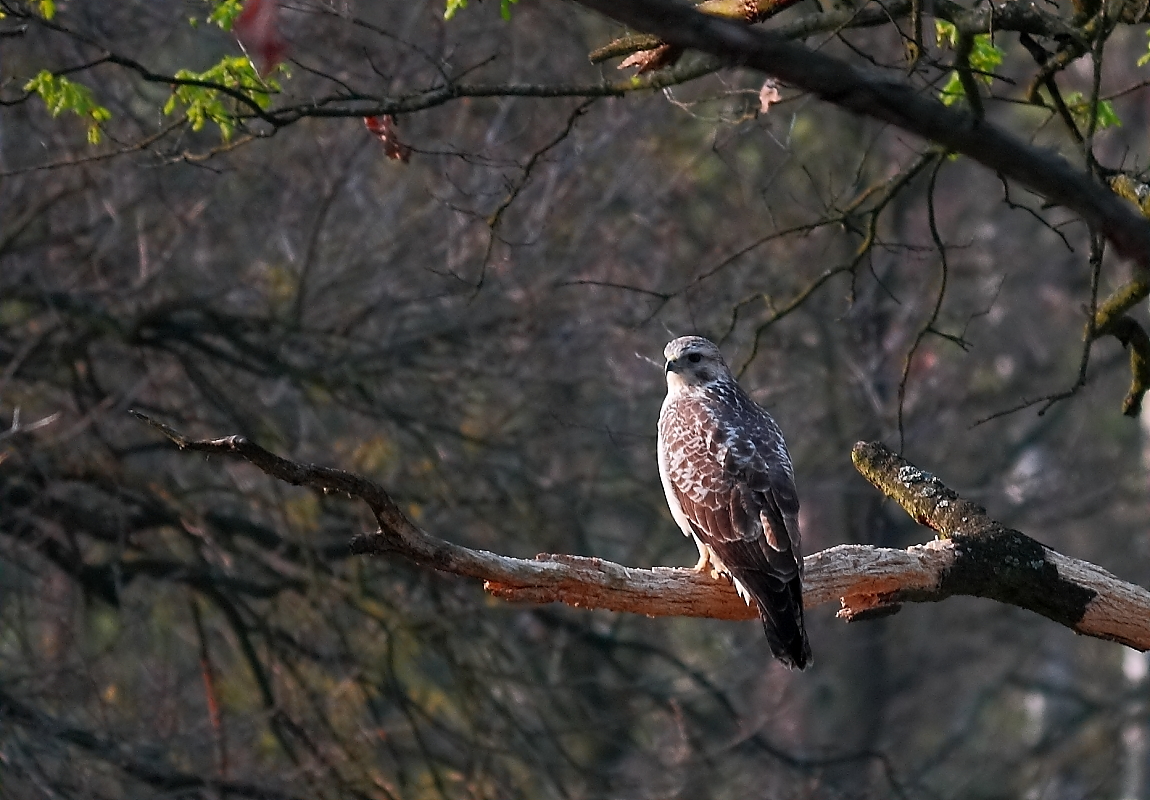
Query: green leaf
(47,8)
(224,13)
(1080,110)
(204,104)
(60,95)
(1107,118)
(453,7)
(945,33)
(952,92)
(985,57)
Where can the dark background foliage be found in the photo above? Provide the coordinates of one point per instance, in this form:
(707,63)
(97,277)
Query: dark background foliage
(480,330)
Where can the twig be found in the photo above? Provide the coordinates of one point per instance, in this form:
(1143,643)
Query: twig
(929,324)
(1088,338)
(17,427)
(897,102)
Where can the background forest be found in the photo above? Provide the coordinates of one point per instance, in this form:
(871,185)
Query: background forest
(469,306)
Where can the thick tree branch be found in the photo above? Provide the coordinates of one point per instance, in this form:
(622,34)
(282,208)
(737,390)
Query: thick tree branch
(982,557)
(1111,318)
(744,10)
(974,556)
(894,101)
(1133,337)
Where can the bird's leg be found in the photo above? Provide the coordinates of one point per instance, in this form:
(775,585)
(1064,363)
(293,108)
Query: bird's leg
(704,563)
(707,561)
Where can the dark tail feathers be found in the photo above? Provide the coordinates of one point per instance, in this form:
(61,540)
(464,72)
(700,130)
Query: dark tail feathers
(782,615)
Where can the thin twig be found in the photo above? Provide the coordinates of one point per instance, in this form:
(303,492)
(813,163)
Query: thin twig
(1096,253)
(932,220)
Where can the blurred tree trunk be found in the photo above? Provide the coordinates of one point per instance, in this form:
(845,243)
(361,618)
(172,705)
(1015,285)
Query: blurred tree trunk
(1135,737)
(1136,730)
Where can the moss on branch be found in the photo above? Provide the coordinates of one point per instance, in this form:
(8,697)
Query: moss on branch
(1134,338)
(990,560)
(922,495)
(1136,192)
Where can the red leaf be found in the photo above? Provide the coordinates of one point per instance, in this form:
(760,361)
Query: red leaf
(768,95)
(384,129)
(257,29)
(665,55)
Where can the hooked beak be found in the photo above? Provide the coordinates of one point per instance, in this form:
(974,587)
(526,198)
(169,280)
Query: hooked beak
(669,366)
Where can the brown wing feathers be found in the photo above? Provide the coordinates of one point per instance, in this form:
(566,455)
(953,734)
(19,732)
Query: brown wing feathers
(729,523)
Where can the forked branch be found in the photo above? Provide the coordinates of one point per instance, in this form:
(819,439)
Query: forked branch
(974,555)
(898,103)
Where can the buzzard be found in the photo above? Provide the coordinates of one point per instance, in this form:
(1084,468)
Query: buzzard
(730,486)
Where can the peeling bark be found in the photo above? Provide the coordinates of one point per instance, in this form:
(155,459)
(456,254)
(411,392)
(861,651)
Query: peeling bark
(974,555)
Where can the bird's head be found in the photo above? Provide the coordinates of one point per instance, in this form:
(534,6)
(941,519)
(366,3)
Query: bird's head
(694,361)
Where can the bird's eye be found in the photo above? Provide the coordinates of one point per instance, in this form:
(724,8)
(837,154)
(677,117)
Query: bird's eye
(694,358)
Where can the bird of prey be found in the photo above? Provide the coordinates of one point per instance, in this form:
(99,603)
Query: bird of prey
(730,486)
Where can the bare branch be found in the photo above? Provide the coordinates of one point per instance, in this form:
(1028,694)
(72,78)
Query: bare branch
(18,427)
(974,556)
(657,52)
(896,102)
(1135,339)
(978,556)
(927,326)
